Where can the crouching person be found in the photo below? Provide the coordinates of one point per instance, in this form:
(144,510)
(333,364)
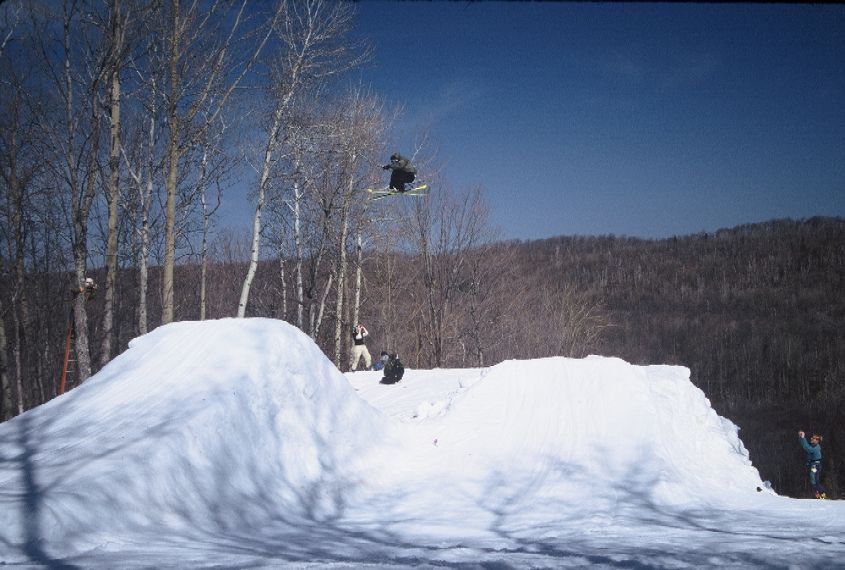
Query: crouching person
(393,370)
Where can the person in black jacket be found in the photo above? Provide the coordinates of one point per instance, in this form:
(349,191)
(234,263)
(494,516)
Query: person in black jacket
(403,172)
(393,370)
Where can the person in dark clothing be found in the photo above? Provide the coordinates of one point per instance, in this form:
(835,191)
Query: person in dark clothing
(89,289)
(403,172)
(393,370)
(813,449)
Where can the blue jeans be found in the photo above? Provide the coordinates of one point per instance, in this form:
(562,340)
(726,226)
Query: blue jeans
(815,471)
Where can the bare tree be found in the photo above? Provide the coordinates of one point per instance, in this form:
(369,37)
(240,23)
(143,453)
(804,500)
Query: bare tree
(312,34)
(359,135)
(208,211)
(8,408)
(17,170)
(299,210)
(11,17)
(142,172)
(444,230)
(203,70)
(141,144)
(78,76)
(487,301)
(116,35)
(263,182)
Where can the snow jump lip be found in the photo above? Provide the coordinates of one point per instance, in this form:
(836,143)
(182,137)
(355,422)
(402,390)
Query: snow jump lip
(595,428)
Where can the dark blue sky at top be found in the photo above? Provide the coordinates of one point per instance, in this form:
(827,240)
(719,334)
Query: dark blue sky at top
(646,120)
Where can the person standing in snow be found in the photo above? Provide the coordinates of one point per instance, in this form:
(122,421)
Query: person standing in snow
(359,347)
(813,449)
(403,172)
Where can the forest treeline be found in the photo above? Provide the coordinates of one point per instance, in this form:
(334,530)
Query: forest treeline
(754,312)
(757,313)
(128,128)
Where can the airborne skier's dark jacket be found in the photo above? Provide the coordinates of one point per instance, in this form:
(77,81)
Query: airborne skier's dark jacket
(399,162)
(402,172)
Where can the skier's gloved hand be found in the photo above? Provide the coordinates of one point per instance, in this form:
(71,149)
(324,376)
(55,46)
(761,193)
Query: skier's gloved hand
(386,167)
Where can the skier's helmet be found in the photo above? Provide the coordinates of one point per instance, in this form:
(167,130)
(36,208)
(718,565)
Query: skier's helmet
(394,156)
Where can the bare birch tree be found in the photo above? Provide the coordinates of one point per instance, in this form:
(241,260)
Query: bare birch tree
(203,70)
(142,172)
(359,134)
(8,407)
(207,212)
(78,74)
(298,213)
(116,35)
(10,19)
(312,34)
(17,170)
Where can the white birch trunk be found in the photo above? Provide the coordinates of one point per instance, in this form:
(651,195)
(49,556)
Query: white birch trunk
(300,291)
(113,190)
(283,280)
(319,316)
(263,182)
(205,224)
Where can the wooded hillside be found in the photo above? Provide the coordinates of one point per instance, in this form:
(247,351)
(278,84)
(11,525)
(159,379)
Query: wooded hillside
(755,312)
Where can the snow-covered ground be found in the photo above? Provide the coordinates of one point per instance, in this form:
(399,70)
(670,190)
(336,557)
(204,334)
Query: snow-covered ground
(237,444)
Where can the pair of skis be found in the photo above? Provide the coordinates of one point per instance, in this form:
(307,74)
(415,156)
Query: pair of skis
(379,193)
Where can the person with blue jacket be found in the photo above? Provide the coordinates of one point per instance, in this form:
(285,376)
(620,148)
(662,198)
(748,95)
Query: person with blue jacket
(813,449)
(379,364)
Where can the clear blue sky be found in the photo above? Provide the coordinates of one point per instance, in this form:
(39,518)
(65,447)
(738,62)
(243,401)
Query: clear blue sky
(647,120)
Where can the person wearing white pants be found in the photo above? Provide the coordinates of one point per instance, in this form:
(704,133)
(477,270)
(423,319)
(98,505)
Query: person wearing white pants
(359,347)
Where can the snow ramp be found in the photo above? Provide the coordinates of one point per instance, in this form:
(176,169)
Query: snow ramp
(582,439)
(238,444)
(199,427)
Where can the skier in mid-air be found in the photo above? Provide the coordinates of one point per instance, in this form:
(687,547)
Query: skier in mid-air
(403,172)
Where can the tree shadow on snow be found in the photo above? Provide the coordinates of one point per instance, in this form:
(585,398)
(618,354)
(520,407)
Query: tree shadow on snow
(19,455)
(224,496)
(611,535)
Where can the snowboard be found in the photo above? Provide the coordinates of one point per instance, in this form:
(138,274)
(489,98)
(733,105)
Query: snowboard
(379,193)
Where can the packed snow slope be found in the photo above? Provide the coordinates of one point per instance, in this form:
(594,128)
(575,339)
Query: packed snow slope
(237,443)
